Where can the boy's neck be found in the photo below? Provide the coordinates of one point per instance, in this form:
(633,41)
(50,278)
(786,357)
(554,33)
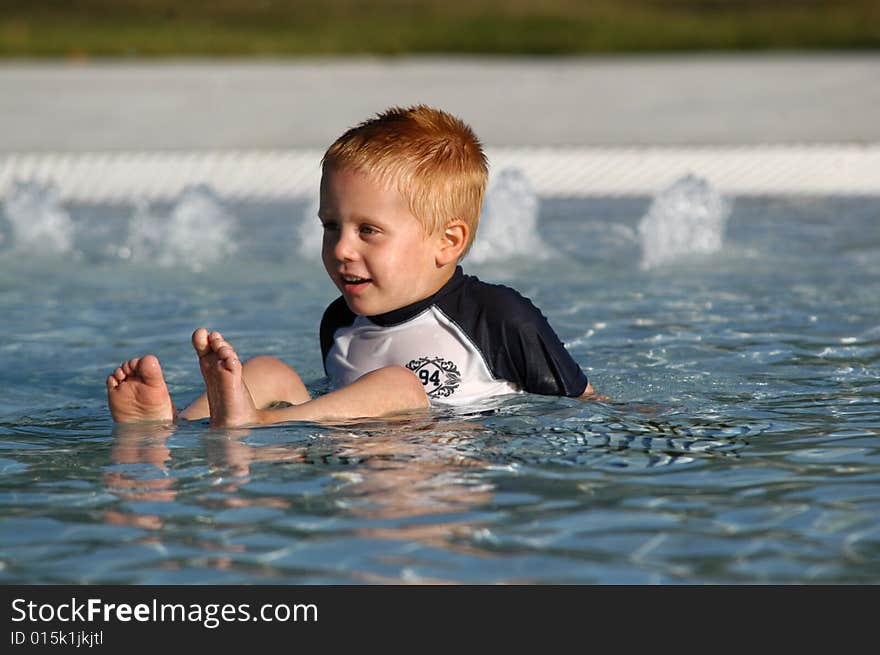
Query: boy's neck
(445,274)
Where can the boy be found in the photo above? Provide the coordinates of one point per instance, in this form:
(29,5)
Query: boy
(400,201)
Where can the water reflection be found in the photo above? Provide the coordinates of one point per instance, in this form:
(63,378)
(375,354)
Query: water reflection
(411,471)
(400,481)
(145,445)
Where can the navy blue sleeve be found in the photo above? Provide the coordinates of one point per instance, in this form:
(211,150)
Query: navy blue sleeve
(336,315)
(517,341)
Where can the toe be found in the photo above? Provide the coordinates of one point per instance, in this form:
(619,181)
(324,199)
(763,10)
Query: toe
(200,341)
(150,371)
(131,366)
(226,353)
(219,344)
(231,362)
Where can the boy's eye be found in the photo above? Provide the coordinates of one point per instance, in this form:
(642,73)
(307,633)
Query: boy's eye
(368,229)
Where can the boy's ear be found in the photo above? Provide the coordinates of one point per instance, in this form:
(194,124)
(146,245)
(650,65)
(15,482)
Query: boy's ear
(452,242)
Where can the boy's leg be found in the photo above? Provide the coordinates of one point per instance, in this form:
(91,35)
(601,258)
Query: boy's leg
(268,379)
(136,390)
(385,391)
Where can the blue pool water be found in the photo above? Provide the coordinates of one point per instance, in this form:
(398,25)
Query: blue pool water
(740,445)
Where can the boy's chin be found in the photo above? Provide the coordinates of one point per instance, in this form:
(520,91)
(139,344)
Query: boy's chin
(364,308)
(359,307)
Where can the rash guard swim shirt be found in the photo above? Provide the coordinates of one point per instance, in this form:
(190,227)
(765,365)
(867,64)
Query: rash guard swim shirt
(468,342)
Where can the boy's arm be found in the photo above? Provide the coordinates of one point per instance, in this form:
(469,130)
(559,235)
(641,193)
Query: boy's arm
(389,390)
(536,359)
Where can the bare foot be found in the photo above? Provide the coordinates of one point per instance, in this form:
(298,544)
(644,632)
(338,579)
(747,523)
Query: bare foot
(229,400)
(136,392)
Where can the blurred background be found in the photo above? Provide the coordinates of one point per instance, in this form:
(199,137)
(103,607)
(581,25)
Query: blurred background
(162,28)
(109,75)
(202,77)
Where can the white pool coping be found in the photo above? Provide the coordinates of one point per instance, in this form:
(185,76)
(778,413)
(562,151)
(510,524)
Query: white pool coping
(282,175)
(697,99)
(119,130)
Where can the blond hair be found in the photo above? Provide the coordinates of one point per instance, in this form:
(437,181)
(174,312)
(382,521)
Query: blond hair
(434,159)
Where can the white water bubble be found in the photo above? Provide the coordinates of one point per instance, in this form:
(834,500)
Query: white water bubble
(686,218)
(509,222)
(197,231)
(310,232)
(6,233)
(35,221)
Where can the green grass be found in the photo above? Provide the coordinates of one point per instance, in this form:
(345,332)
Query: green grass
(153,28)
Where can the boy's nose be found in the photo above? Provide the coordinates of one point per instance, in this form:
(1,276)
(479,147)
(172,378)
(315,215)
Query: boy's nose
(343,249)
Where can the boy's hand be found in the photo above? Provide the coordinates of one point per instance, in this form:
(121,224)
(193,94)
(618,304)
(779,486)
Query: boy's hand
(591,394)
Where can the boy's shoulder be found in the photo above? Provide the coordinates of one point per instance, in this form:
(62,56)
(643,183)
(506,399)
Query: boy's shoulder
(515,338)
(338,312)
(495,303)
(336,315)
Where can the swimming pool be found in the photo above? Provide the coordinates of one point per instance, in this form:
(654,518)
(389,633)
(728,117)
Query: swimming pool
(740,445)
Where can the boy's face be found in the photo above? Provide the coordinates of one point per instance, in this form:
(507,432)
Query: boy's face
(374,249)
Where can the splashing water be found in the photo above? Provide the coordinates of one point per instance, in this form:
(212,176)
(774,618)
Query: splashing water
(198,231)
(310,232)
(686,218)
(508,224)
(35,221)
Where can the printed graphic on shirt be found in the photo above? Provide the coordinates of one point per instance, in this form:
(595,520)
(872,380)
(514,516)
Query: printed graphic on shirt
(439,376)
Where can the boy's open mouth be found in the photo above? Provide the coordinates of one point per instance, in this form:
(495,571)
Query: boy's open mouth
(353,282)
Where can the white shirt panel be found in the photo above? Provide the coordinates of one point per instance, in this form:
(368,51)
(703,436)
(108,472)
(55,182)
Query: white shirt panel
(447,363)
